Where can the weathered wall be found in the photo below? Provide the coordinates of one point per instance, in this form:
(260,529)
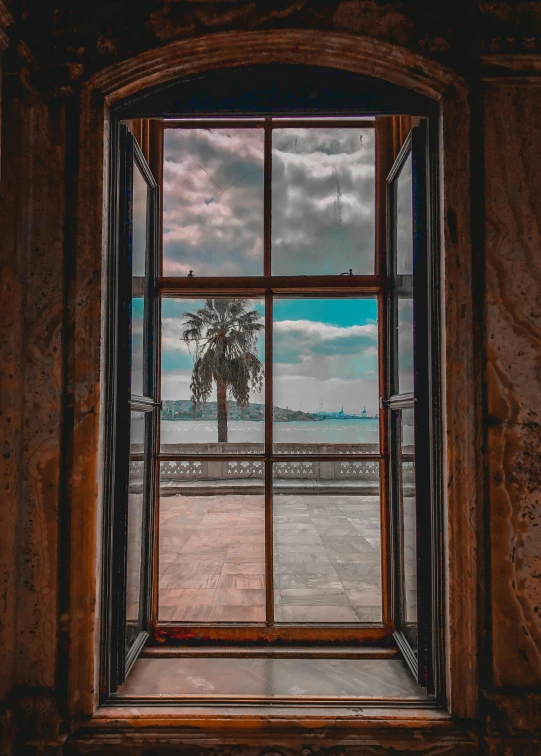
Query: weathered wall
(513,377)
(55,46)
(33,309)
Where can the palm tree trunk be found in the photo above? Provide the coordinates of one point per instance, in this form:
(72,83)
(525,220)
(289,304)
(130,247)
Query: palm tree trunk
(221,387)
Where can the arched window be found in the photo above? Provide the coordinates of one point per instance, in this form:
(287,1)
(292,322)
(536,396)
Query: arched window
(274,451)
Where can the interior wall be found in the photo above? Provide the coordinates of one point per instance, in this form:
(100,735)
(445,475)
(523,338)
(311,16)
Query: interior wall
(32,203)
(43,72)
(513,378)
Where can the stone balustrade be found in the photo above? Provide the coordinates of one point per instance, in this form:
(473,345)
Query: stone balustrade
(248,474)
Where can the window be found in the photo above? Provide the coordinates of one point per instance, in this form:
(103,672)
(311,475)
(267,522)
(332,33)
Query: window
(273,385)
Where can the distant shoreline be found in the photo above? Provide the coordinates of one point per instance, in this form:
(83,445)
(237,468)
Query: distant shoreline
(262,419)
(182,409)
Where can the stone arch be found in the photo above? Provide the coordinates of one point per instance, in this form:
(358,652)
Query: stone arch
(191,57)
(355,54)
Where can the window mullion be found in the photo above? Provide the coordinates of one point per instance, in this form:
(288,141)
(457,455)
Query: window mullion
(269,540)
(267,241)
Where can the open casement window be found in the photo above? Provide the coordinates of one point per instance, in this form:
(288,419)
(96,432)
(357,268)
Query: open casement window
(286,508)
(136,408)
(409,405)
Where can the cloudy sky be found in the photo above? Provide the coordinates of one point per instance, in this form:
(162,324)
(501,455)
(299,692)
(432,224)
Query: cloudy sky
(322,201)
(325,352)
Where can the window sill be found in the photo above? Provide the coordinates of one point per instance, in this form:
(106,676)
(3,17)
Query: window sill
(250,730)
(271,702)
(270,680)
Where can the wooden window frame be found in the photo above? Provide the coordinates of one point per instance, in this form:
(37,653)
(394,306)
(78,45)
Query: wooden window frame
(377,285)
(268,287)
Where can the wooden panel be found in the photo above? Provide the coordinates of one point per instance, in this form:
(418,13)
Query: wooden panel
(84,394)
(513,377)
(34,189)
(14,272)
(462,463)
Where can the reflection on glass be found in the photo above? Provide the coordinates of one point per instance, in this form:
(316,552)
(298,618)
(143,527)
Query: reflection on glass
(405,346)
(135,528)
(213,202)
(212,376)
(139,243)
(404,220)
(137,345)
(139,230)
(323,201)
(212,541)
(409,526)
(325,354)
(327,554)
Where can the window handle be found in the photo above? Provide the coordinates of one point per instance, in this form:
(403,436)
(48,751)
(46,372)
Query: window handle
(396,400)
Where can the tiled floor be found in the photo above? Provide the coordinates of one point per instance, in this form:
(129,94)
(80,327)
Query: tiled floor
(327,558)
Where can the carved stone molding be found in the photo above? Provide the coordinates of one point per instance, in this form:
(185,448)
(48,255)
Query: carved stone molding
(506,66)
(228,49)
(6,19)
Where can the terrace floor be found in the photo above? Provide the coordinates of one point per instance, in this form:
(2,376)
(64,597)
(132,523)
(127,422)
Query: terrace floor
(326,558)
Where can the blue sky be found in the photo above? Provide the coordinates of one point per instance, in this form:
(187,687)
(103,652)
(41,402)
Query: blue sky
(325,353)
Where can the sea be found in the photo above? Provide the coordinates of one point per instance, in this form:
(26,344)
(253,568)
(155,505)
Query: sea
(320,432)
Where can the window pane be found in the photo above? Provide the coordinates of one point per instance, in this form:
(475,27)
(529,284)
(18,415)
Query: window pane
(325,355)
(135,528)
(220,366)
(327,563)
(139,252)
(409,527)
(137,345)
(405,346)
(212,541)
(323,219)
(404,220)
(213,202)
(139,228)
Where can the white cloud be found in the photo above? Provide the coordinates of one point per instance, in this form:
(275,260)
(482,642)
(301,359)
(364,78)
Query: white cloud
(324,331)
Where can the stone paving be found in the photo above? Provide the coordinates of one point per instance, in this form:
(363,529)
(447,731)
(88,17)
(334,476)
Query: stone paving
(326,555)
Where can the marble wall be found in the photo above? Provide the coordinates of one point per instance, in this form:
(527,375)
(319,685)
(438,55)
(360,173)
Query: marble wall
(32,392)
(512,331)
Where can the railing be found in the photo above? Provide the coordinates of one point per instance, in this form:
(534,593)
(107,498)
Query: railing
(200,475)
(228,469)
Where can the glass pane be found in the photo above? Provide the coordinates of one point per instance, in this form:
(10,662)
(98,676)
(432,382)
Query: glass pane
(212,376)
(327,553)
(137,345)
(212,541)
(136,506)
(139,244)
(139,228)
(323,190)
(404,220)
(405,346)
(326,396)
(409,526)
(213,202)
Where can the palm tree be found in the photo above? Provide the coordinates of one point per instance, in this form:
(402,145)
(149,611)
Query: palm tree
(225,335)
